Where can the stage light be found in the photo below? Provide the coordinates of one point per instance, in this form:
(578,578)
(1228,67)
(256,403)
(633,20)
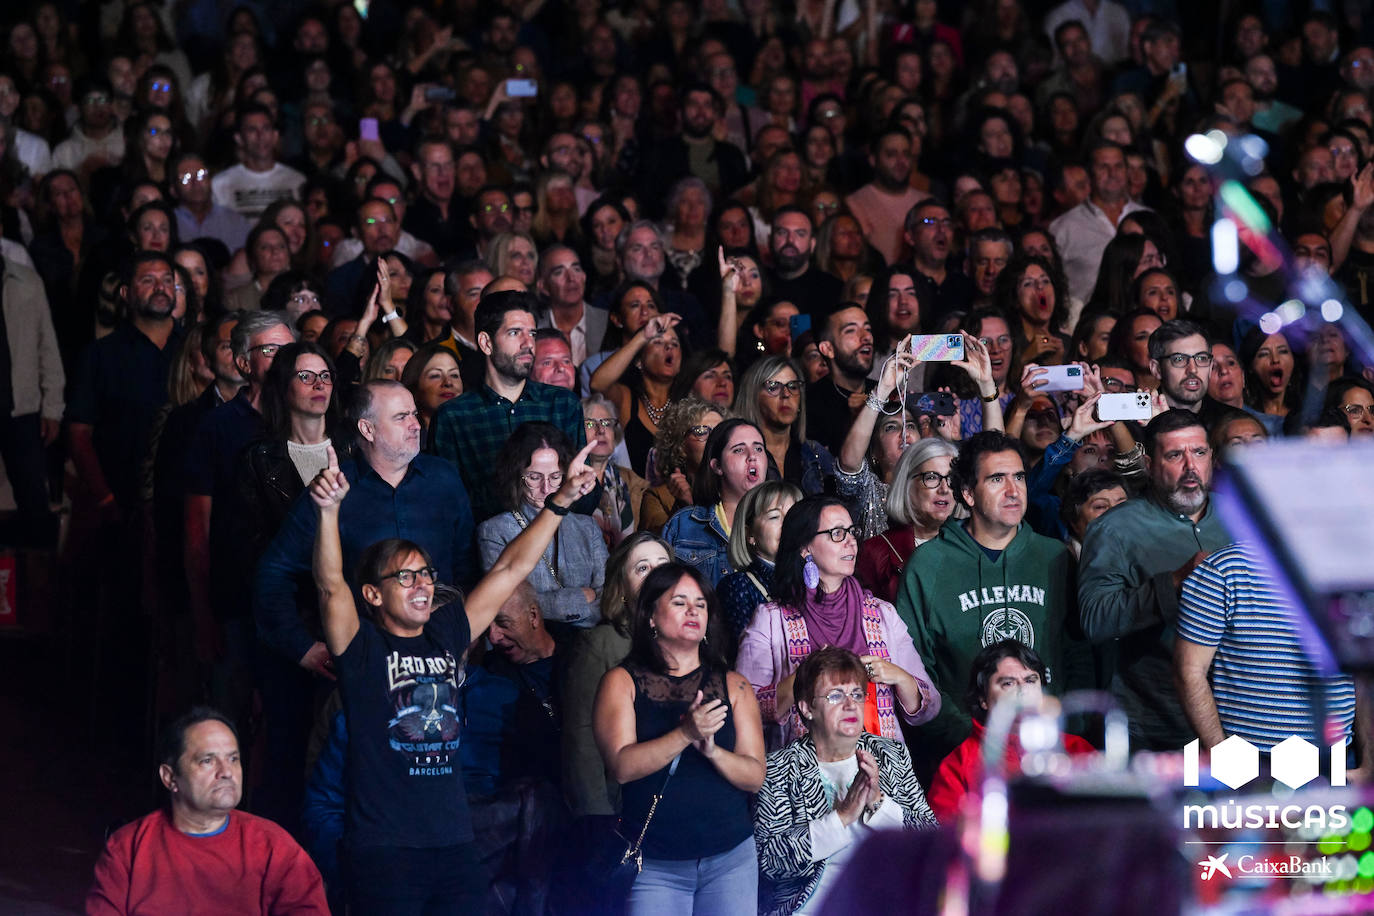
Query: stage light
(1235,290)
(1270,322)
(1291,311)
(1332,310)
(1207,148)
(1225,247)
(1253,152)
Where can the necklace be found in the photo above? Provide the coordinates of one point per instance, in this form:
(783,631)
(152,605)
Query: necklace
(655,413)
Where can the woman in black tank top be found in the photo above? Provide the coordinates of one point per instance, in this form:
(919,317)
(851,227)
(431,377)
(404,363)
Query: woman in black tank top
(674,699)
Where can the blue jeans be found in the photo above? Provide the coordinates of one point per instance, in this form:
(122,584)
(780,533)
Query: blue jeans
(723,884)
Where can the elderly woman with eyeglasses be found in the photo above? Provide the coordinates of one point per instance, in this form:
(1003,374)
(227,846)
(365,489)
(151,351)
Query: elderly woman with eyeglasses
(831,789)
(622,490)
(818,602)
(919,501)
(678,450)
(883,430)
(569,577)
(772,396)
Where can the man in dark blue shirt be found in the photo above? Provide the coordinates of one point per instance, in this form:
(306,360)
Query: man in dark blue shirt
(396,493)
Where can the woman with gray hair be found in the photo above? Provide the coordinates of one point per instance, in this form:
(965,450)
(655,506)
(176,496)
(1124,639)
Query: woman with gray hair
(688,209)
(772,396)
(919,500)
(621,488)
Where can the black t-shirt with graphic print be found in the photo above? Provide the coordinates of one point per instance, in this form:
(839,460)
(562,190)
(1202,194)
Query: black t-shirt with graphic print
(400,696)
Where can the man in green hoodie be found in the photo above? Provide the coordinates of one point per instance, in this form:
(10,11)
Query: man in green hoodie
(984,580)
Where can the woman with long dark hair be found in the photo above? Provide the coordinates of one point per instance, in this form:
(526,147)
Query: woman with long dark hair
(818,602)
(673,721)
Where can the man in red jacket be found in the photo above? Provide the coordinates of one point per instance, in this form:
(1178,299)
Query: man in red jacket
(201,855)
(1004,669)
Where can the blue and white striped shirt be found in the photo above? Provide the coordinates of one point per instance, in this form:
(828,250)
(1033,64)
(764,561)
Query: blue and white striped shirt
(1262,679)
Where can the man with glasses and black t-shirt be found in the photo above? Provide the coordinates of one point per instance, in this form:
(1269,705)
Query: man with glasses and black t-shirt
(408,838)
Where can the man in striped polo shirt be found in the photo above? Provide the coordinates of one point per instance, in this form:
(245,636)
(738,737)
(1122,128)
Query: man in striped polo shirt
(1240,666)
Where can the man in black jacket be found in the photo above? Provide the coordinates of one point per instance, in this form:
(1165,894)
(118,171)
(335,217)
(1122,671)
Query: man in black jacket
(695,151)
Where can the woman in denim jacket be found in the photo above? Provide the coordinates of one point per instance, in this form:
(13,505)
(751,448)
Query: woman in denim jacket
(735,461)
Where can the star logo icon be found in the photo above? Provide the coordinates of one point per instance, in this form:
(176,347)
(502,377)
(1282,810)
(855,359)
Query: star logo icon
(1213,865)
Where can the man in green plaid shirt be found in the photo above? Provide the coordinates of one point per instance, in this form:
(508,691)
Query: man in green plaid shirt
(470,429)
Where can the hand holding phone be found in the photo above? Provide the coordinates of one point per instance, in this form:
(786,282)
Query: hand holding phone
(1129,405)
(367,130)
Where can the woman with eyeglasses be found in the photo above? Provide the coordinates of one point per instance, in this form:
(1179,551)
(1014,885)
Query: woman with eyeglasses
(732,463)
(513,254)
(754,550)
(622,490)
(919,501)
(268,255)
(818,602)
(772,396)
(568,579)
(301,413)
(1354,397)
(832,788)
(678,451)
(884,431)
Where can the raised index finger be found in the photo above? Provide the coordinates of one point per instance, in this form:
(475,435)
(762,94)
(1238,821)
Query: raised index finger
(333,457)
(581,457)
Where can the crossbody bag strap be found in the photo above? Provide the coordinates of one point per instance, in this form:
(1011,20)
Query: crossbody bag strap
(633,851)
(900,562)
(520,520)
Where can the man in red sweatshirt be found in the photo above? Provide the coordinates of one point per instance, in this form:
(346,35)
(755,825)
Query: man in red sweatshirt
(201,855)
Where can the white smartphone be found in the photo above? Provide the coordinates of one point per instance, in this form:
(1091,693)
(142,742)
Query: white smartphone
(1061,378)
(522,89)
(1129,405)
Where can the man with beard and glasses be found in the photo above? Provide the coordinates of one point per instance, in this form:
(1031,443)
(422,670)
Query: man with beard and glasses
(929,231)
(793,278)
(846,343)
(470,429)
(694,151)
(1181,359)
(1133,564)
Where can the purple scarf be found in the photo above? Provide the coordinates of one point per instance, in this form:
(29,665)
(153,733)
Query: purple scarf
(836,619)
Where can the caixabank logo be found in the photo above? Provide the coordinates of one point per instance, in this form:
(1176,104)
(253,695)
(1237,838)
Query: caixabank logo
(1295,763)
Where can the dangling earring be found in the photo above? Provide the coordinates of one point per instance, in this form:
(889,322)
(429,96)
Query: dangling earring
(811,573)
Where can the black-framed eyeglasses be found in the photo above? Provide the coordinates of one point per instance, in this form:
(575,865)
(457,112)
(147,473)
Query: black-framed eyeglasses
(931,480)
(604,423)
(407,577)
(310,376)
(774,388)
(1116,385)
(197,175)
(838,533)
(933,221)
(1179,360)
(838,696)
(700,431)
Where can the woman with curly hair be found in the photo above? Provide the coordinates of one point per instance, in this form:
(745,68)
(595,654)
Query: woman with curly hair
(678,450)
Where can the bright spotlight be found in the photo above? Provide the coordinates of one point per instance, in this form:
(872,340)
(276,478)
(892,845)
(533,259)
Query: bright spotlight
(1204,148)
(1332,310)
(1270,322)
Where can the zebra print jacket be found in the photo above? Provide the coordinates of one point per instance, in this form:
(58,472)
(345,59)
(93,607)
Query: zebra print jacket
(793,796)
